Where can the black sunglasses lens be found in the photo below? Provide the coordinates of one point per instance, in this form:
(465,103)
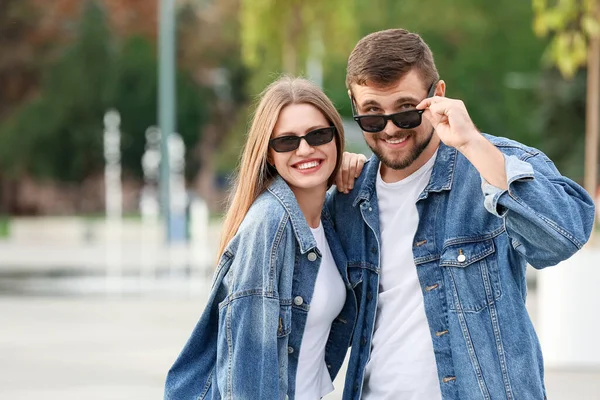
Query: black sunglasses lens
(375,123)
(320,136)
(314,138)
(407,119)
(285,143)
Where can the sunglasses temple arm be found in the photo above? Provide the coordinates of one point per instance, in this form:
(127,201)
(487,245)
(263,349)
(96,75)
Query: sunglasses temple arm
(353,106)
(432,89)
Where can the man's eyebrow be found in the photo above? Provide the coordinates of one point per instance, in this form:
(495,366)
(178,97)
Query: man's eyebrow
(400,101)
(368,103)
(407,99)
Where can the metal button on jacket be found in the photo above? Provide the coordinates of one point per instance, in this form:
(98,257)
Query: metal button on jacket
(298,300)
(312,256)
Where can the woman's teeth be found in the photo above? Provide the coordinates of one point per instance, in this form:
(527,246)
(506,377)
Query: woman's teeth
(308,165)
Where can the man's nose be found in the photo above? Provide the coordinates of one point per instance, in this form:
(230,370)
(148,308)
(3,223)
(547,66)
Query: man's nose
(390,128)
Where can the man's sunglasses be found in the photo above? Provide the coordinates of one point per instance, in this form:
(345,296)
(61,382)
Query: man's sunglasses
(317,137)
(374,123)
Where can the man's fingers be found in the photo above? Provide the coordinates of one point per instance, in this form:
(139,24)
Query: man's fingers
(429,101)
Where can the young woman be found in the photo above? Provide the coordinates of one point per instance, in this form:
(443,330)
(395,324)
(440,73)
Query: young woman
(281,310)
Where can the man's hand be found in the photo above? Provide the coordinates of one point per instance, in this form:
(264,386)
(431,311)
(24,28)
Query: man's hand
(350,169)
(454,127)
(450,120)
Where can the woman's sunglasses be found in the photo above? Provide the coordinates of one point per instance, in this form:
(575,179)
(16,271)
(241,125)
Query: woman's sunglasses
(317,137)
(374,123)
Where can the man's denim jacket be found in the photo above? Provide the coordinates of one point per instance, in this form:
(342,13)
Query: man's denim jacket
(247,341)
(470,250)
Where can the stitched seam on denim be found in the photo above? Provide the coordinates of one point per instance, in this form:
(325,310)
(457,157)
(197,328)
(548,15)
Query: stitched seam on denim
(372,325)
(368,185)
(207,386)
(469,343)
(489,249)
(548,221)
(528,177)
(472,259)
(426,259)
(286,331)
(246,293)
(449,184)
(230,353)
(226,259)
(361,264)
(473,239)
(274,250)
(294,221)
(485,275)
(528,152)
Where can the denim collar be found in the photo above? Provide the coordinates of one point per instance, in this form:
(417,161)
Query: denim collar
(441,176)
(282,192)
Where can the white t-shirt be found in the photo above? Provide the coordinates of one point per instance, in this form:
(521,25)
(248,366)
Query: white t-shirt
(402,363)
(312,378)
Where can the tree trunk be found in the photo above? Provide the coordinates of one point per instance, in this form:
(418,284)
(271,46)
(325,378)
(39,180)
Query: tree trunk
(592,118)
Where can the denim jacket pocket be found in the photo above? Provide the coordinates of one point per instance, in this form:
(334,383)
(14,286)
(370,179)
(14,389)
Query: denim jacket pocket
(207,391)
(284,326)
(471,273)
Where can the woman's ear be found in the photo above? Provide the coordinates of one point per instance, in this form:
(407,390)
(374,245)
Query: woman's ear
(270,162)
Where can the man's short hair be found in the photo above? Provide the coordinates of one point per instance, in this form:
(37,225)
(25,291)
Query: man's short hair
(382,58)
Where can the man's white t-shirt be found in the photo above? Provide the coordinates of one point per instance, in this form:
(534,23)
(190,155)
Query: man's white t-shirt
(312,378)
(402,364)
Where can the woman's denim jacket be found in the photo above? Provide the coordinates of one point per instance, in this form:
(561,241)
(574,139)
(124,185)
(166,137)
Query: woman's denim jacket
(471,248)
(247,341)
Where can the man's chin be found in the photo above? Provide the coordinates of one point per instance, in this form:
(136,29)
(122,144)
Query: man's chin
(393,161)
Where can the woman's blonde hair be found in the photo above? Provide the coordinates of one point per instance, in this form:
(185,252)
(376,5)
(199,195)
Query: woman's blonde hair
(254,174)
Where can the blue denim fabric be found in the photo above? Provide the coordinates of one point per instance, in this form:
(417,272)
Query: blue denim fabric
(470,249)
(247,341)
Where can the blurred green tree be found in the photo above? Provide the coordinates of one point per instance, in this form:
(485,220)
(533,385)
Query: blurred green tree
(59,134)
(283,36)
(574,26)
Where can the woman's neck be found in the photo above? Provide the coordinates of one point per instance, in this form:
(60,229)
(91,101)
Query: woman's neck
(311,204)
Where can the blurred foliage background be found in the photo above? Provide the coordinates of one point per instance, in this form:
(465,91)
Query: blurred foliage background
(64,63)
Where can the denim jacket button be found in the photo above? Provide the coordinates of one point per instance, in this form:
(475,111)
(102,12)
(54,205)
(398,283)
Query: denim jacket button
(290,350)
(461,258)
(298,300)
(312,256)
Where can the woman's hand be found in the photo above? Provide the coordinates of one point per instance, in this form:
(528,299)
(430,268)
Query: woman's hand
(352,165)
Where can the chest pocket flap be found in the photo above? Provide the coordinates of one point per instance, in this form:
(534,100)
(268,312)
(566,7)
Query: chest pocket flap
(465,254)
(471,273)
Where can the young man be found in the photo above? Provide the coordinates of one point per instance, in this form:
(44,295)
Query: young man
(438,231)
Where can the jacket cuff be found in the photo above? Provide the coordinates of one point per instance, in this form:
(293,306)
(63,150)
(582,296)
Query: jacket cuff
(516,171)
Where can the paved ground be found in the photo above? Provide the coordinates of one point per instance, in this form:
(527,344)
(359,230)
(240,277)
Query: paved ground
(120,348)
(62,337)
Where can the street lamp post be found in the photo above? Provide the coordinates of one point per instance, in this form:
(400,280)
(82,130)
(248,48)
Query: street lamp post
(166,102)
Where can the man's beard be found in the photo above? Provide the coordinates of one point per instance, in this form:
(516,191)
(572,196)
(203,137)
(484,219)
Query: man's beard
(409,158)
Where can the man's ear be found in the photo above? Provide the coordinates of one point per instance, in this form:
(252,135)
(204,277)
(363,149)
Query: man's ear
(440,88)
(349,94)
